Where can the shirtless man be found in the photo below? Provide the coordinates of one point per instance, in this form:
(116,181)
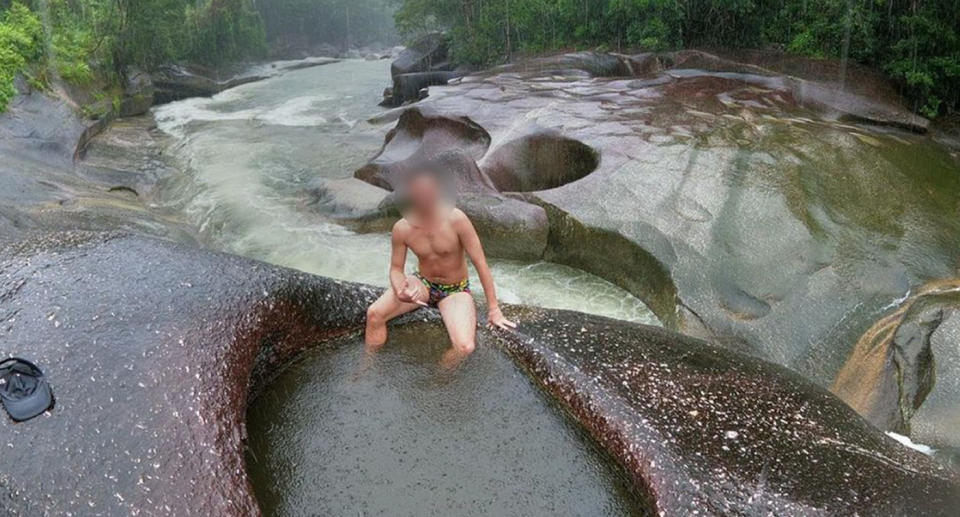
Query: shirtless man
(440,236)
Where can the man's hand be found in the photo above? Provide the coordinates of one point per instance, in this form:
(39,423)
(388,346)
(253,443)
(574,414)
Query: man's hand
(413,291)
(496,319)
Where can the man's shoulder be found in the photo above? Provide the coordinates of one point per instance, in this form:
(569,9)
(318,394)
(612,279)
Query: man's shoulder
(401,227)
(458,216)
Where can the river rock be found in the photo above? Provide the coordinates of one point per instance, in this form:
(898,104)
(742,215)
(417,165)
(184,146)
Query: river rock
(739,212)
(904,373)
(151,349)
(429,53)
(510,228)
(175,82)
(422,134)
(56,175)
(138,94)
(595,64)
(407,87)
(346,198)
(702,430)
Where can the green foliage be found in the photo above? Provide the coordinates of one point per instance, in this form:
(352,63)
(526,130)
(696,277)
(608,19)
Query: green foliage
(222,31)
(917,42)
(21,34)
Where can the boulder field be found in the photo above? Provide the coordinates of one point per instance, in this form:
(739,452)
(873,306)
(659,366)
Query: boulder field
(769,205)
(153,350)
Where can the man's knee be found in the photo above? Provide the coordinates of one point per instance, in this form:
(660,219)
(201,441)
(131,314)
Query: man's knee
(464,345)
(375,316)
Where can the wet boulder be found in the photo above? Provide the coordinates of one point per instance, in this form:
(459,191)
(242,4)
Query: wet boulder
(57,175)
(904,373)
(345,199)
(738,211)
(409,87)
(595,64)
(540,159)
(151,349)
(702,430)
(429,53)
(422,134)
(175,82)
(138,93)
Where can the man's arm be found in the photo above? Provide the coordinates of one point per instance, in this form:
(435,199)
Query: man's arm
(471,243)
(401,285)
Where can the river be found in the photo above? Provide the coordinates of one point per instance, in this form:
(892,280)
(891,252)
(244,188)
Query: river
(252,154)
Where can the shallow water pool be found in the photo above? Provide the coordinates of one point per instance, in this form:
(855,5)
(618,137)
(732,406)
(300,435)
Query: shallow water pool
(343,433)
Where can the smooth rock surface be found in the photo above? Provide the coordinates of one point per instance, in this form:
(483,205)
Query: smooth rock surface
(739,210)
(150,348)
(704,430)
(56,176)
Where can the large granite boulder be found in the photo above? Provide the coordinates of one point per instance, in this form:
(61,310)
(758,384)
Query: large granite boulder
(424,63)
(427,54)
(174,82)
(152,349)
(409,87)
(422,134)
(904,373)
(702,430)
(138,92)
(724,194)
(510,228)
(594,64)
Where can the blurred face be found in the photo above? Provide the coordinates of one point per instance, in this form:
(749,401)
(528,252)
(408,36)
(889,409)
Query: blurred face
(424,192)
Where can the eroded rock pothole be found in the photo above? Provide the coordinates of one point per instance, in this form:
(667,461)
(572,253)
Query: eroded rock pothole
(337,435)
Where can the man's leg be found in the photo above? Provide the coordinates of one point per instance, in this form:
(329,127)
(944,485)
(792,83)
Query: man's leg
(383,310)
(460,317)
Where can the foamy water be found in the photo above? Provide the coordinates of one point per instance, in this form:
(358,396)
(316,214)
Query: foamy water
(251,154)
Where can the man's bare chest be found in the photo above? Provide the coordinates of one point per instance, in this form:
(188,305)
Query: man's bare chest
(436,242)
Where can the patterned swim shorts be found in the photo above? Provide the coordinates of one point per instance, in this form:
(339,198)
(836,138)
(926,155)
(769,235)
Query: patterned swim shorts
(440,291)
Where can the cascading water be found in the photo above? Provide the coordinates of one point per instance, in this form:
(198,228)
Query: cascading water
(253,153)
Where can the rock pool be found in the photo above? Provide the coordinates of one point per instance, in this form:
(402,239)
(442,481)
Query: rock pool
(342,433)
